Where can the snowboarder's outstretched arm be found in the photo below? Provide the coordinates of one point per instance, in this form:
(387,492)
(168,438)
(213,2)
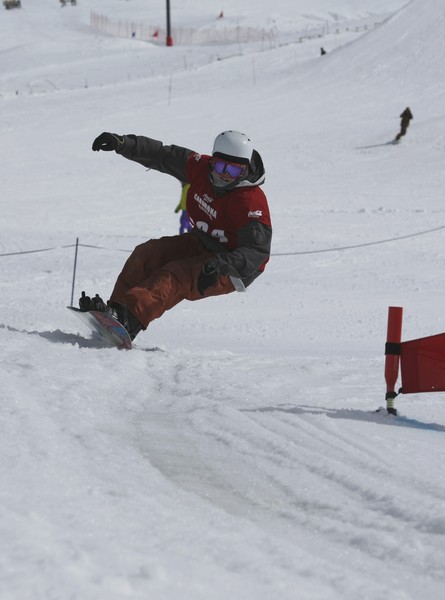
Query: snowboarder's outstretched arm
(148,152)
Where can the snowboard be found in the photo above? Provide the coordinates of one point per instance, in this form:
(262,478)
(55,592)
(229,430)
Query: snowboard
(106,326)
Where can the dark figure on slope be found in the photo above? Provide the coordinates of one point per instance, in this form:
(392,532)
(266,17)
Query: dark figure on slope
(406,117)
(184,221)
(231,235)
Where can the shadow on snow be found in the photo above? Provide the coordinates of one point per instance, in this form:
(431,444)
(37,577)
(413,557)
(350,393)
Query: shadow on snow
(60,337)
(381,417)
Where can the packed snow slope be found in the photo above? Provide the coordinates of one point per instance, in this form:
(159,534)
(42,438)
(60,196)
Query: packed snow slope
(235,452)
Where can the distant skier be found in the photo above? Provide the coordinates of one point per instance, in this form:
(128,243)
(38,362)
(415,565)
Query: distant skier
(406,117)
(322,51)
(228,245)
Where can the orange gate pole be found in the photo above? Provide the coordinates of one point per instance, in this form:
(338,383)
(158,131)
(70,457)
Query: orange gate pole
(392,355)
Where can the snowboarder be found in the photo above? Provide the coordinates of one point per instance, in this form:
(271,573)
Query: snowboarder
(230,239)
(406,117)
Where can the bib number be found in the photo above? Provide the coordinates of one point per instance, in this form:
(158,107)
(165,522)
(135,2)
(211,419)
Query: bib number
(215,233)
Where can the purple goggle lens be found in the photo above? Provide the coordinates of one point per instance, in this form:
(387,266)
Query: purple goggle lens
(234,171)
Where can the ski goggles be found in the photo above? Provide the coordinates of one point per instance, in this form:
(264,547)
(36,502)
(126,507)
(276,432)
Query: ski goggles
(233,170)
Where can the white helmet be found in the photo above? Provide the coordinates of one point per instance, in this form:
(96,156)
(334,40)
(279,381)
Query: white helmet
(233,146)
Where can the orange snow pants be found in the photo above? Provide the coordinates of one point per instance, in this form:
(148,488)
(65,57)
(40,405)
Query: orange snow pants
(160,273)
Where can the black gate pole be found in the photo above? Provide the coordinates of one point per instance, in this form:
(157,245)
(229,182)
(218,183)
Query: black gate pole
(169,40)
(74,271)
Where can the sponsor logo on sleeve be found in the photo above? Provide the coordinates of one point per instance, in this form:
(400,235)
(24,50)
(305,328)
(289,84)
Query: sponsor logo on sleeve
(255,214)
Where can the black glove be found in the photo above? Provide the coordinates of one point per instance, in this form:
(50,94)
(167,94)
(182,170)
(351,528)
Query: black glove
(108,141)
(208,277)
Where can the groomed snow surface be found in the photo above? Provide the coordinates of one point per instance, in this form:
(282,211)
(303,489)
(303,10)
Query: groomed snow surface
(235,452)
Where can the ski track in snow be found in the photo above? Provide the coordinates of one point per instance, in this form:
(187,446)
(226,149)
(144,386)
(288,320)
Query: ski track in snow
(302,469)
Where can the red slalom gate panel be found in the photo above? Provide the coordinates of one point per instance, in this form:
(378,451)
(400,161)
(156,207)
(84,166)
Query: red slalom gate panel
(422,364)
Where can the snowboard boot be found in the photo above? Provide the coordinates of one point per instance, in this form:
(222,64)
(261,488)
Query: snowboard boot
(125,318)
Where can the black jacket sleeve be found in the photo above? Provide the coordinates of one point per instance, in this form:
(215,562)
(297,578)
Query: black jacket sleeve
(254,241)
(154,155)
